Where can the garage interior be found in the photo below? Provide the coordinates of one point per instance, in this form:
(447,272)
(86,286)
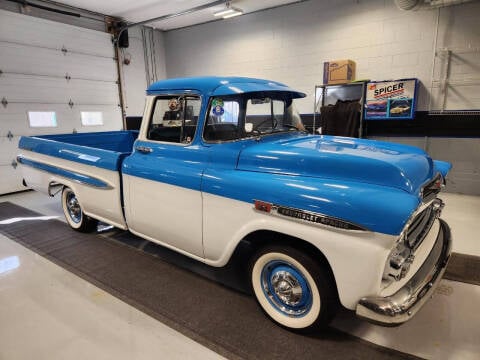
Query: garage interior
(65,69)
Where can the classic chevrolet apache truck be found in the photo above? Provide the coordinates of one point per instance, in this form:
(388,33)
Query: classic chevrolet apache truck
(222,161)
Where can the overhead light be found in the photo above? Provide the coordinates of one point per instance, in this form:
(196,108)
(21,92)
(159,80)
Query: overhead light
(236,12)
(228,12)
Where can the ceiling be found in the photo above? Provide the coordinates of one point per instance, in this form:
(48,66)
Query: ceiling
(140,10)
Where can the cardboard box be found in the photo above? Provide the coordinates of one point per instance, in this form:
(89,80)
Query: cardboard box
(338,71)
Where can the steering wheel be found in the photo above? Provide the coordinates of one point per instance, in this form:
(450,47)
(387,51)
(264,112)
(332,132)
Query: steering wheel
(273,120)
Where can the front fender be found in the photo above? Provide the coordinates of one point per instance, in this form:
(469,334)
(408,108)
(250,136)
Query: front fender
(375,208)
(346,251)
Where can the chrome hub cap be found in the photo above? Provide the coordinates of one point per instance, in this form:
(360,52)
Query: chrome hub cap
(286,288)
(73,207)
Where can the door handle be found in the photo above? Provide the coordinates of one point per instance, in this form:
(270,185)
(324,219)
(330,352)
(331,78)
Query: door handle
(144,149)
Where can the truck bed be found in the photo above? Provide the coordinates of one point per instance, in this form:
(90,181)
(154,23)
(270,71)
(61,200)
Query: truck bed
(87,163)
(101,149)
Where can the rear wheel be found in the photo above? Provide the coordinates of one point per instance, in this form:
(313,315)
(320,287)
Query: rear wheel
(295,291)
(74,213)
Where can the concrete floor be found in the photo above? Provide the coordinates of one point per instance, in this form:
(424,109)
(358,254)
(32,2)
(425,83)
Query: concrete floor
(47,312)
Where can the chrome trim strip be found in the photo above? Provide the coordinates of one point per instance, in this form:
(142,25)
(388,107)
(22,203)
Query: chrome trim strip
(312,218)
(401,306)
(71,175)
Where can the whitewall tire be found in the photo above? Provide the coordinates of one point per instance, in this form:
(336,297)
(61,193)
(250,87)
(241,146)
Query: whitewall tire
(74,213)
(292,289)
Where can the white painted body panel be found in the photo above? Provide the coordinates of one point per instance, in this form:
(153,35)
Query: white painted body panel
(99,203)
(169,215)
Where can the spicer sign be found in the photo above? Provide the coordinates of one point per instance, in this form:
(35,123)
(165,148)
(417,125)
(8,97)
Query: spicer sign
(391,99)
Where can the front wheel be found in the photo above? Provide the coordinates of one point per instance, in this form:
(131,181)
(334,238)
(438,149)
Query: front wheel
(295,291)
(74,213)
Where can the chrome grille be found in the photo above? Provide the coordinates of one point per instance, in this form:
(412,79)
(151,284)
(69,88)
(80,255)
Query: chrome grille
(431,189)
(419,227)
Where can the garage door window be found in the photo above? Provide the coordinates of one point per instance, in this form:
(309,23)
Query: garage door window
(38,119)
(92,118)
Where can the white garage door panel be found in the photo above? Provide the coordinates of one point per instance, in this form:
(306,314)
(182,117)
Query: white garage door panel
(9,149)
(34,68)
(16,58)
(18,28)
(15,119)
(11,179)
(40,90)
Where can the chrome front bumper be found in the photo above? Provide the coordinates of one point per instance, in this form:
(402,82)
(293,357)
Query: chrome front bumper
(401,306)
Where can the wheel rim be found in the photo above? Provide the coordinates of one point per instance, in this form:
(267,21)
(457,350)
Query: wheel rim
(286,288)
(73,207)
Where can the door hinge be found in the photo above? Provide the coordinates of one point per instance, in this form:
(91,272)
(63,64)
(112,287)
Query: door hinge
(4,102)
(10,135)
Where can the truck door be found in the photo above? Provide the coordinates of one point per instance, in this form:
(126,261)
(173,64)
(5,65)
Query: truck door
(162,177)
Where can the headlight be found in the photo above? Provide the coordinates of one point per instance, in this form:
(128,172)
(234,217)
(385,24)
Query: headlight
(398,262)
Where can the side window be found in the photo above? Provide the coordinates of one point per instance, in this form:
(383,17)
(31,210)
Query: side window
(223,120)
(174,119)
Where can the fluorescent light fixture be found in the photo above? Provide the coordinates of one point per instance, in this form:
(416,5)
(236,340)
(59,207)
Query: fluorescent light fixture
(236,12)
(228,12)
(223,12)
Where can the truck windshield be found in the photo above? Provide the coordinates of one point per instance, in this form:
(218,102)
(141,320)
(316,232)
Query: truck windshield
(267,115)
(235,117)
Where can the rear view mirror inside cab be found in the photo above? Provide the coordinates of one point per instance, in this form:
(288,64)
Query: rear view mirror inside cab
(260,101)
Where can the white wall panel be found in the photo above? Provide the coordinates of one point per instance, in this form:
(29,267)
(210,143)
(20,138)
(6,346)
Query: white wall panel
(33,78)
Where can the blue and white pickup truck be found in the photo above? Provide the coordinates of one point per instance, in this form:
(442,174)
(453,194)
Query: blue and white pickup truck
(220,161)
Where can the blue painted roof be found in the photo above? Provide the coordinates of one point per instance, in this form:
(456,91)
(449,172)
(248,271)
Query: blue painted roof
(216,86)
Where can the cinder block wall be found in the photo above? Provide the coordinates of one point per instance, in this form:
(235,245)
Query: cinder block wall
(290,44)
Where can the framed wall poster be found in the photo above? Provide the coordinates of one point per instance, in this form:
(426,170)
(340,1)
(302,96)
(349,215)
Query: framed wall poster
(394,99)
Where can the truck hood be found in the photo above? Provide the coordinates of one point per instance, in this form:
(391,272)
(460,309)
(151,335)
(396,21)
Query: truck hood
(345,159)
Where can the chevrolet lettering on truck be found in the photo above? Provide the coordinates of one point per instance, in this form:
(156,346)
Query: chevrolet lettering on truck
(220,162)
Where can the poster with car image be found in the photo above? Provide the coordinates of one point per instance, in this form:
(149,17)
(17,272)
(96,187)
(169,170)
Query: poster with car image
(395,99)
